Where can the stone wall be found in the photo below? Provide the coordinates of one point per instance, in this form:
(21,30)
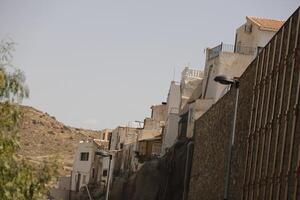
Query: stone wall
(266,155)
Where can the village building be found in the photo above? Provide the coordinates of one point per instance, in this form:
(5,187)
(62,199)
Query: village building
(232,60)
(124,144)
(172,116)
(89,167)
(190,87)
(256,32)
(229,60)
(150,137)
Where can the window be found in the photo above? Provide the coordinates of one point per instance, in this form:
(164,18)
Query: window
(105,172)
(93,173)
(121,146)
(84,156)
(103,136)
(248,28)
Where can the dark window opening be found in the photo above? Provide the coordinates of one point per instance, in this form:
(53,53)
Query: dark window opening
(93,173)
(105,172)
(84,156)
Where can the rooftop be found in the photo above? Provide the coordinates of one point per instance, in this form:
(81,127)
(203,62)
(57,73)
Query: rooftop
(266,24)
(214,52)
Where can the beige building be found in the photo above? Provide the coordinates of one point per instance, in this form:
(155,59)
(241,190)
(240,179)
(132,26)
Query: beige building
(150,137)
(178,97)
(232,60)
(256,32)
(124,144)
(190,79)
(88,166)
(229,60)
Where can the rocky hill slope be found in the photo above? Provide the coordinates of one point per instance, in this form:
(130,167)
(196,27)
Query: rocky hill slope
(42,137)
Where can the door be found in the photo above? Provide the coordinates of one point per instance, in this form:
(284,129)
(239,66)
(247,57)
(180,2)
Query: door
(78,182)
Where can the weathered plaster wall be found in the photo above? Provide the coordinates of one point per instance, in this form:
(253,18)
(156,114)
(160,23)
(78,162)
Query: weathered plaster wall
(159,112)
(229,64)
(83,167)
(171,132)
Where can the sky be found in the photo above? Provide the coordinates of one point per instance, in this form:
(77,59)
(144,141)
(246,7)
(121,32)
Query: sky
(99,64)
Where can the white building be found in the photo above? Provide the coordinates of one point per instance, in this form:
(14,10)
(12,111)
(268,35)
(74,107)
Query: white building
(256,32)
(171,123)
(190,79)
(190,85)
(232,60)
(88,166)
(229,60)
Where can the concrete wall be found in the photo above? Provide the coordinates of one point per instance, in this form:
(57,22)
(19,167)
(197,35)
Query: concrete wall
(64,183)
(159,112)
(227,63)
(173,100)
(59,194)
(148,134)
(171,132)
(171,127)
(190,79)
(151,124)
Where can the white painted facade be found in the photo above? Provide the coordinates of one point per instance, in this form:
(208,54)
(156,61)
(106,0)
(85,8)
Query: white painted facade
(190,79)
(172,117)
(83,165)
(251,34)
(226,63)
(231,60)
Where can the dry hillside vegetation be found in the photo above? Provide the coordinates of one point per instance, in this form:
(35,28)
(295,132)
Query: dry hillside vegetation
(42,137)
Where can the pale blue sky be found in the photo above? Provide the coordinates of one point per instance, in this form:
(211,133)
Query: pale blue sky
(98,64)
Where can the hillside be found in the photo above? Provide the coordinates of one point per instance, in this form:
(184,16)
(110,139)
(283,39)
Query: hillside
(42,136)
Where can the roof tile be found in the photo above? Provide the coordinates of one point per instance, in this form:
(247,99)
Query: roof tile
(266,24)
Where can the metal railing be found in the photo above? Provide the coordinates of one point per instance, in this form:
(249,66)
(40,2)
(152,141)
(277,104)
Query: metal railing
(194,73)
(214,52)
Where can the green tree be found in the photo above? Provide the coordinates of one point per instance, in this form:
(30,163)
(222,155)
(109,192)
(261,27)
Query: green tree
(19,179)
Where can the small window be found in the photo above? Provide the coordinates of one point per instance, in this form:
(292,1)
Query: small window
(105,172)
(248,28)
(121,146)
(84,156)
(93,173)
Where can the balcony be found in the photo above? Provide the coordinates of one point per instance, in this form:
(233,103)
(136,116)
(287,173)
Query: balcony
(214,52)
(191,73)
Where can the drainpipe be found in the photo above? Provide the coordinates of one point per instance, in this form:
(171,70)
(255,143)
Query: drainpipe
(108,178)
(188,167)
